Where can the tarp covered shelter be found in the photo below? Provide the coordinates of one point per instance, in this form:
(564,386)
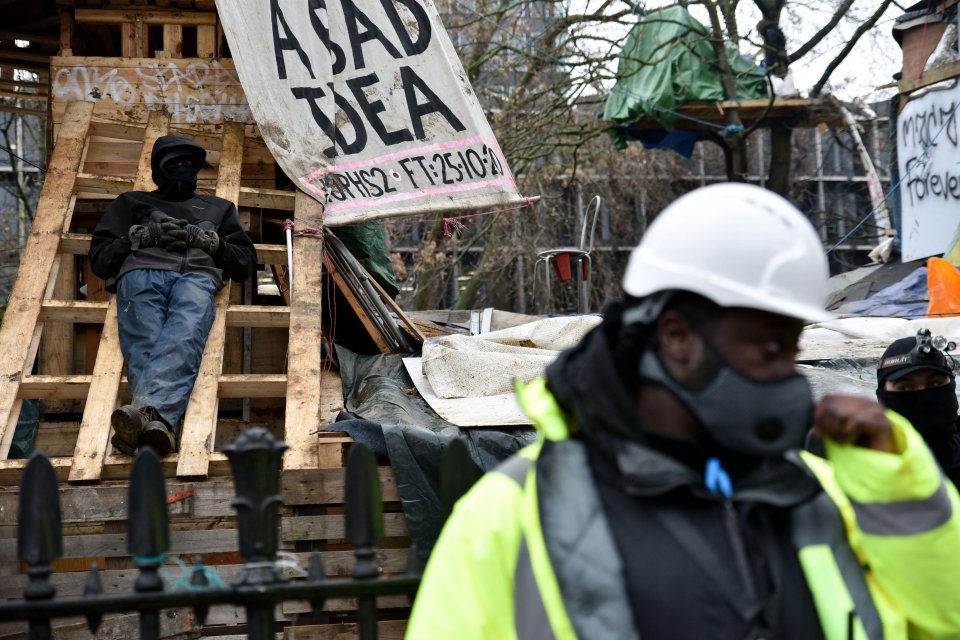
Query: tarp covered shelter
(667,60)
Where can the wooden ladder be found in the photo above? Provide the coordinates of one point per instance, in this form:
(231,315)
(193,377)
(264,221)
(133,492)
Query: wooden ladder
(31,304)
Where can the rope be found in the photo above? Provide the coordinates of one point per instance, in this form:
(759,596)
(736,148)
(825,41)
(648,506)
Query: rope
(22,159)
(452,225)
(306,232)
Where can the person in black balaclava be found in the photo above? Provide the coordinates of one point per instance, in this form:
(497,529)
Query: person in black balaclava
(918,381)
(165,253)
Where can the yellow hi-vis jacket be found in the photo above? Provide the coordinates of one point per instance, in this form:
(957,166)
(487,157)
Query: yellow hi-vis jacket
(894,575)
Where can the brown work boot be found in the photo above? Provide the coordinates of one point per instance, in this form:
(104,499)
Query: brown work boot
(128,424)
(156,434)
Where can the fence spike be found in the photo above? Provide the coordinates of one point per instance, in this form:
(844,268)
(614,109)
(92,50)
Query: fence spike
(199,581)
(255,463)
(316,573)
(148,531)
(39,533)
(364,509)
(93,588)
(458,472)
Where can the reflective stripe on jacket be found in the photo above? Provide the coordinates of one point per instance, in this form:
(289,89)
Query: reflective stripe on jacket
(879,548)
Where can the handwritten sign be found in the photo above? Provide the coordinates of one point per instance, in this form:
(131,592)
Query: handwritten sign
(366,106)
(928,153)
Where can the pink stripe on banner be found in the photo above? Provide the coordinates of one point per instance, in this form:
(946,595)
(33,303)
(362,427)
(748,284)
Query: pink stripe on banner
(440,146)
(313,189)
(420,193)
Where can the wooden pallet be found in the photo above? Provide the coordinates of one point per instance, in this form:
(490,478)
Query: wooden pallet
(203,524)
(93,493)
(309,392)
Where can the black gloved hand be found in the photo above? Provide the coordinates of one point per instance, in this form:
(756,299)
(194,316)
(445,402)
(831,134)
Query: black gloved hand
(143,236)
(198,238)
(174,237)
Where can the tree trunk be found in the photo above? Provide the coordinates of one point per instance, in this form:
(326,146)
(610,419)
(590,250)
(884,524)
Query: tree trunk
(737,168)
(781,137)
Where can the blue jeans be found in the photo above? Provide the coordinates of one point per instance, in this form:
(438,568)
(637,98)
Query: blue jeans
(164,318)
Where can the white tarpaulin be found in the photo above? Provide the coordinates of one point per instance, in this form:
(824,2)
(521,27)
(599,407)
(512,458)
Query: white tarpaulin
(928,151)
(365,105)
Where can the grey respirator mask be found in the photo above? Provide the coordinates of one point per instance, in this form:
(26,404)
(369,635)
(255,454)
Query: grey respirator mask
(742,415)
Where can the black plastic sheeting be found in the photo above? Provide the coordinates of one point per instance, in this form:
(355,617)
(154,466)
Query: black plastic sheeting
(385,412)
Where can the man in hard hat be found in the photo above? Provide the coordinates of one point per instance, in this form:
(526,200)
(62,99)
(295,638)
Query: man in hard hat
(165,253)
(916,378)
(665,497)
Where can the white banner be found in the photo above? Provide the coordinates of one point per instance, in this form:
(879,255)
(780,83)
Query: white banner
(365,105)
(930,187)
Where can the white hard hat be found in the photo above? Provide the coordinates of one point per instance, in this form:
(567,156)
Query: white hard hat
(738,245)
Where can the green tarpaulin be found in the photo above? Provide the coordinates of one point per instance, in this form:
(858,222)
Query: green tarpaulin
(667,60)
(367,241)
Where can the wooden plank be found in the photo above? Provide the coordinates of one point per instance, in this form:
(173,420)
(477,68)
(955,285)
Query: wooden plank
(221,539)
(84,311)
(933,76)
(230,385)
(149,17)
(200,421)
(102,395)
(386,630)
(325,486)
(56,346)
(210,498)
(412,328)
(175,624)
(336,563)
(206,41)
(133,38)
(53,209)
(91,185)
(351,299)
(66,33)
(96,292)
(302,417)
(331,527)
(258,316)
(104,386)
(173,40)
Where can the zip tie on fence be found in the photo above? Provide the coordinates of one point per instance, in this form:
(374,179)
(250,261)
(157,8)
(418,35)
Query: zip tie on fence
(305,232)
(182,582)
(453,225)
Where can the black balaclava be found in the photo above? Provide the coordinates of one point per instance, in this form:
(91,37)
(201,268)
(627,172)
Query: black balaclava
(176,181)
(930,411)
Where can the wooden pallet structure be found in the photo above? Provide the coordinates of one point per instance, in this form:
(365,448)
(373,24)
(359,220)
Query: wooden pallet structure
(263,363)
(33,305)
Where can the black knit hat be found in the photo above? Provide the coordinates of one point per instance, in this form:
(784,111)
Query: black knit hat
(904,356)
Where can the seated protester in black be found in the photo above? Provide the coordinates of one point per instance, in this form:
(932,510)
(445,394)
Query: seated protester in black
(916,377)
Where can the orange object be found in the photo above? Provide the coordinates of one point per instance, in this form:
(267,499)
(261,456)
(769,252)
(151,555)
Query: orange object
(561,266)
(943,283)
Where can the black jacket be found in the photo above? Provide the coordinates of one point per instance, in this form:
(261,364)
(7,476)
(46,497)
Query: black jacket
(695,565)
(111,253)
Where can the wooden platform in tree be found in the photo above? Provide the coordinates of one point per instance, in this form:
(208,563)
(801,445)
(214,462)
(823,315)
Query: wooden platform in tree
(709,116)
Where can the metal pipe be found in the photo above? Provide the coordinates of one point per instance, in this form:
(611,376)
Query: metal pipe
(288,232)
